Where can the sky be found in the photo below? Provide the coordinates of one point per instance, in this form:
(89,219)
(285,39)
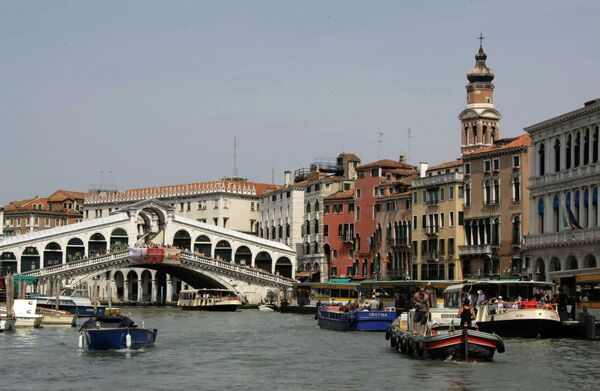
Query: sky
(139,93)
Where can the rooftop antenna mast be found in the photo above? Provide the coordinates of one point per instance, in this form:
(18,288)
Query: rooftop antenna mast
(409,136)
(379,141)
(273,173)
(235,170)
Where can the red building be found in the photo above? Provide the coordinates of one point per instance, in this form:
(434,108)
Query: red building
(338,233)
(369,178)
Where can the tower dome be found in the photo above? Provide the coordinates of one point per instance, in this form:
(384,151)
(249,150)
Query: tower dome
(481,72)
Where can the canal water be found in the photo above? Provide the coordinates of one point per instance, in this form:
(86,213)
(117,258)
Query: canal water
(252,350)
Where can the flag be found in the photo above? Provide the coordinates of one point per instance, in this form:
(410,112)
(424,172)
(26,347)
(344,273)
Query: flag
(572,221)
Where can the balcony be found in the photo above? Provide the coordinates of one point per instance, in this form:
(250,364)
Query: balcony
(347,238)
(438,180)
(401,241)
(433,203)
(581,172)
(432,230)
(568,236)
(476,249)
(491,203)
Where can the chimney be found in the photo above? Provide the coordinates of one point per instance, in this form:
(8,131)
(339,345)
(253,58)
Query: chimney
(423,169)
(402,159)
(288,178)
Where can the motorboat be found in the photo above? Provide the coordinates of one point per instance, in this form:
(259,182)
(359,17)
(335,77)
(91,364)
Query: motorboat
(54,317)
(209,300)
(267,307)
(25,314)
(354,318)
(114,333)
(76,301)
(442,340)
(511,308)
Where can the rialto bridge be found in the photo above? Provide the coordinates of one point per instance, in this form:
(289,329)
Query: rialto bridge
(94,253)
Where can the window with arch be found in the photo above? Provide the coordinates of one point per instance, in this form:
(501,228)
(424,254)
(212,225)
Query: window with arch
(516,230)
(496,198)
(586,146)
(484,135)
(595,145)
(468,194)
(493,134)
(577,151)
(556,155)
(487,192)
(466,135)
(317,206)
(541,215)
(516,188)
(308,207)
(542,159)
(555,212)
(495,232)
(475,139)
(357,213)
(568,153)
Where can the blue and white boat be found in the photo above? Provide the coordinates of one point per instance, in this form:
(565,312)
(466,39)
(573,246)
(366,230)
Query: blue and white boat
(114,333)
(75,301)
(343,318)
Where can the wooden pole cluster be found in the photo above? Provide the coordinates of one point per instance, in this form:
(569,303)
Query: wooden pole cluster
(10,293)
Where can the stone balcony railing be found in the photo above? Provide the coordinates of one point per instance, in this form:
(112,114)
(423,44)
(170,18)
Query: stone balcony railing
(575,235)
(476,249)
(564,175)
(437,180)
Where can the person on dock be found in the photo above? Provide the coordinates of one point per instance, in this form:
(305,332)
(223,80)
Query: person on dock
(466,314)
(422,305)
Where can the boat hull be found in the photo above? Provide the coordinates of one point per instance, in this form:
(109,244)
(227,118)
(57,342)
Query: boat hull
(7,324)
(29,321)
(524,328)
(59,320)
(377,320)
(115,339)
(217,308)
(79,310)
(457,345)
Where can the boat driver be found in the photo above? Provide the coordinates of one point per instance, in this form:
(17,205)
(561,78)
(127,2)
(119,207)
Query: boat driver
(421,304)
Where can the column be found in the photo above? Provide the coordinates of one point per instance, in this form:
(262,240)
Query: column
(169,296)
(139,290)
(125,291)
(154,290)
(580,212)
(590,207)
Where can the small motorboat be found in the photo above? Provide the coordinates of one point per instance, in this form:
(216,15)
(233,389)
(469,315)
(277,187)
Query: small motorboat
(54,317)
(114,333)
(24,310)
(350,318)
(443,341)
(267,307)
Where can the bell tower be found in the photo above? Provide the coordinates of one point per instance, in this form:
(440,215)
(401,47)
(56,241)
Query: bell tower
(479,120)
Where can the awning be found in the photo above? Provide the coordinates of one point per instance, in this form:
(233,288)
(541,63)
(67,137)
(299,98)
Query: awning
(26,279)
(340,280)
(305,274)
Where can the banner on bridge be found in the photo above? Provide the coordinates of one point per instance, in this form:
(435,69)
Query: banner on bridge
(154,254)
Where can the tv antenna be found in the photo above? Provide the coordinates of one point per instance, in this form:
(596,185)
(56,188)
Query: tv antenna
(408,154)
(235,169)
(379,141)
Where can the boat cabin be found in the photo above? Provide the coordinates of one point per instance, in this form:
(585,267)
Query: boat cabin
(510,291)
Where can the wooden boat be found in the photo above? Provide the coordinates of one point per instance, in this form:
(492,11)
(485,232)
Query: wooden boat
(54,317)
(443,341)
(114,333)
(209,300)
(346,318)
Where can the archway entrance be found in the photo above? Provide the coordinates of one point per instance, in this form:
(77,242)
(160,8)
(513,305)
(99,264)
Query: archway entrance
(75,250)
(8,263)
(118,240)
(223,251)
(243,256)
(203,246)
(540,270)
(30,260)
(263,261)
(96,245)
(283,267)
(182,240)
(52,254)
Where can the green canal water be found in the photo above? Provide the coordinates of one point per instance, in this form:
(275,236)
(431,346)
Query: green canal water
(252,350)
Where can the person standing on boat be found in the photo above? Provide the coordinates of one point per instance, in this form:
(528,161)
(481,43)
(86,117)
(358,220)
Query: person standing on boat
(466,314)
(421,304)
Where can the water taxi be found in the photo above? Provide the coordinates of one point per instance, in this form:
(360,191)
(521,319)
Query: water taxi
(510,308)
(209,300)
(114,333)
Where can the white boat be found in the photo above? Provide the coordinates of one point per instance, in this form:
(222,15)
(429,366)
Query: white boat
(54,317)
(209,300)
(267,307)
(76,301)
(25,313)
(510,308)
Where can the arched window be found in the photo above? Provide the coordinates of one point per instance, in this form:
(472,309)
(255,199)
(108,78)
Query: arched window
(357,213)
(496,191)
(466,135)
(568,153)
(317,207)
(516,230)
(541,215)
(475,139)
(595,145)
(542,159)
(484,135)
(487,192)
(316,226)
(516,189)
(468,194)
(586,146)
(307,227)
(577,151)
(557,155)
(496,232)
(555,212)
(493,134)
(308,207)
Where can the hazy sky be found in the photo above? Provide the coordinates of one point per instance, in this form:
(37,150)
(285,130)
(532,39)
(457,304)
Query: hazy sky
(156,91)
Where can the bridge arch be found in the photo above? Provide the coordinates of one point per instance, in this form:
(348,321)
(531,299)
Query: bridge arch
(182,239)
(203,245)
(243,256)
(75,249)
(554,265)
(223,250)
(264,261)
(571,263)
(30,259)
(132,282)
(589,261)
(53,254)
(96,244)
(283,267)
(8,262)
(118,239)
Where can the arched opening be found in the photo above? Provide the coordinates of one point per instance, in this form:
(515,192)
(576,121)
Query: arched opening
(556,213)
(316,267)
(30,260)
(243,256)
(554,265)
(516,189)
(557,155)
(223,251)
(182,240)
(568,153)
(571,263)
(132,280)
(75,250)
(283,267)
(52,254)
(118,240)
(8,262)
(96,245)
(542,159)
(119,284)
(540,270)
(586,146)
(356,268)
(327,253)
(468,194)
(588,262)
(516,231)
(541,215)
(202,245)
(496,191)
(595,145)
(146,287)
(264,261)
(365,268)
(577,150)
